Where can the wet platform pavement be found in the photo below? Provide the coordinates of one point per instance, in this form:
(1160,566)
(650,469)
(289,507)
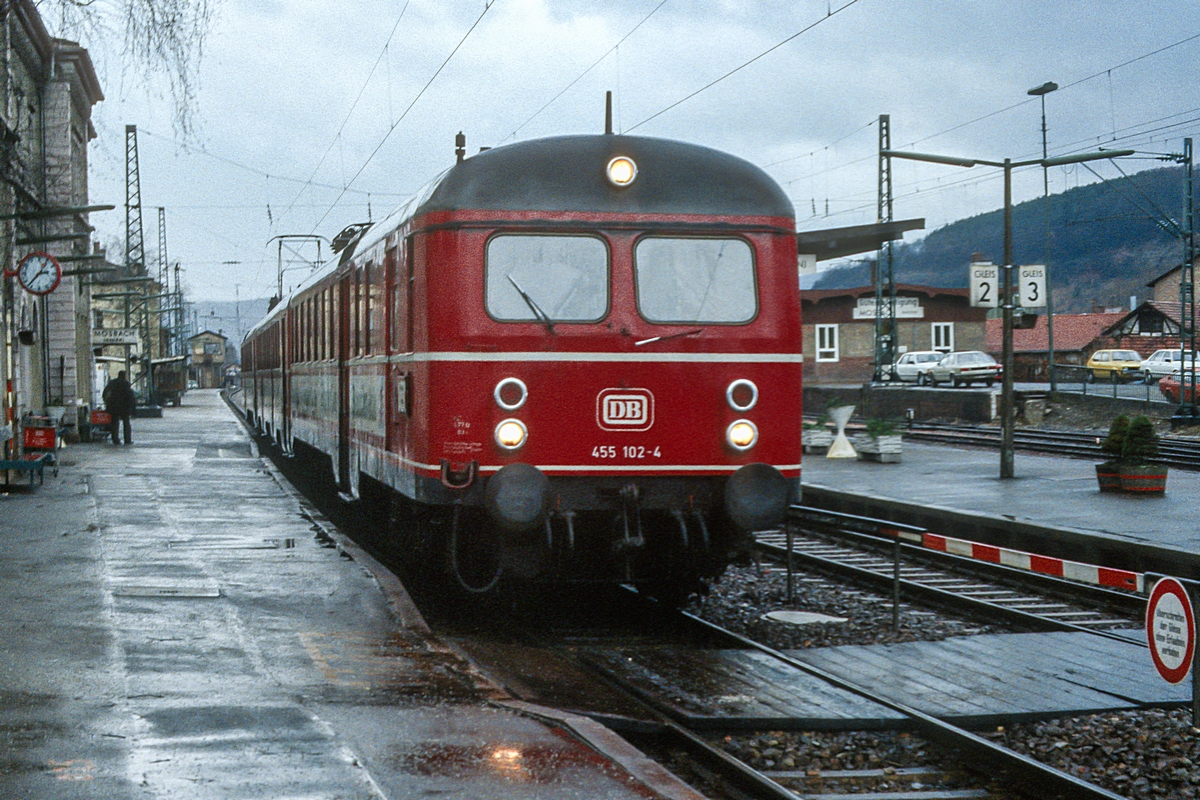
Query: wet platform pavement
(1047,490)
(178,623)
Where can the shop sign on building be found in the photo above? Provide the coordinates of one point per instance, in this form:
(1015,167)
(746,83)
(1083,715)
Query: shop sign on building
(906,308)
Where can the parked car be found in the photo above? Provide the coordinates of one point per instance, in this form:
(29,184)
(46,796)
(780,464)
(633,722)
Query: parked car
(1163,363)
(1169,386)
(1115,365)
(914,366)
(965,367)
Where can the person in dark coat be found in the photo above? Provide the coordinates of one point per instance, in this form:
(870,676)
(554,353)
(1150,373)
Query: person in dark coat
(119,401)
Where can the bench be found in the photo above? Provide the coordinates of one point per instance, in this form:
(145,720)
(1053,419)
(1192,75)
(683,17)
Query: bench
(31,463)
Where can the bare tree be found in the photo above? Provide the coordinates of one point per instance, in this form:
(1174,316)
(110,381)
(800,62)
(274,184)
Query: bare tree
(161,38)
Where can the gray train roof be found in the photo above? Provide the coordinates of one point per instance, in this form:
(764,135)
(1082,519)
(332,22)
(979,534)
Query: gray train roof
(567,173)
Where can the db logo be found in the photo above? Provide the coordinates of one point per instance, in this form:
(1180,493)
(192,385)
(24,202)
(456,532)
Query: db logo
(625,409)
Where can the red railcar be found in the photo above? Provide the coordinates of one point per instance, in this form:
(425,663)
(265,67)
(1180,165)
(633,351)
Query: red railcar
(575,358)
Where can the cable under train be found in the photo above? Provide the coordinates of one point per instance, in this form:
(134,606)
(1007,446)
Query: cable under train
(569,359)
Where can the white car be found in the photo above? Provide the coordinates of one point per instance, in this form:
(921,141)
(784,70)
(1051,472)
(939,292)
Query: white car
(964,367)
(914,366)
(1163,363)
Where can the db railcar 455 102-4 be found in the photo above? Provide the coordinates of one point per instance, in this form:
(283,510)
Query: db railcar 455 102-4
(568,359)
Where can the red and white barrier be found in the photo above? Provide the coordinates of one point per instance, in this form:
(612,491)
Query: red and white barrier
(1058,567)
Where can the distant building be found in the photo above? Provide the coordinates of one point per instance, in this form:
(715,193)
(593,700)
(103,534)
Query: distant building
(208,359)
(1165,288)
(1076,337)
(839,328)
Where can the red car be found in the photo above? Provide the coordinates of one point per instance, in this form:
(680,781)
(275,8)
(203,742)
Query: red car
(1169,386)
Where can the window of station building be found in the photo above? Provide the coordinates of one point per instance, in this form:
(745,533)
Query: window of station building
(534,278)
(943,337)
(827,342)
(695,280)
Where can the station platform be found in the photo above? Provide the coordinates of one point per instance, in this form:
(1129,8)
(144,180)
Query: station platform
(179,623)
(1054,499)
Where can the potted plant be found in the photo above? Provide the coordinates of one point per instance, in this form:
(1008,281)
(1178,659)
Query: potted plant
(1108,473)
(816,436)
(1138,472)
(879,443)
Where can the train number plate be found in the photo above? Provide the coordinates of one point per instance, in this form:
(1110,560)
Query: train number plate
(635,451)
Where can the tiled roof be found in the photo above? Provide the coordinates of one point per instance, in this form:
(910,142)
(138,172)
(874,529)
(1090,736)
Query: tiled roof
(817,295)
(1071,332)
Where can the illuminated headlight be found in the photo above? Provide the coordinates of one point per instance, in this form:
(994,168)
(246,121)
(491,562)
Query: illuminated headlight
(511,434)
(741,395)
(621,171)
(741,434)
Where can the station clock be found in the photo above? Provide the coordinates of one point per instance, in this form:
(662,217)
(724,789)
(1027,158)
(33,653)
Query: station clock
(39,273)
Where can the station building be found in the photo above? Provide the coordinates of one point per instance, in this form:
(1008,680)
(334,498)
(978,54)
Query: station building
(207,350)
(839,328)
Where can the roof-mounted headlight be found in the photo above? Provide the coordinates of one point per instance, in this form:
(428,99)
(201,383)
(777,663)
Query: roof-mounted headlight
(621,171)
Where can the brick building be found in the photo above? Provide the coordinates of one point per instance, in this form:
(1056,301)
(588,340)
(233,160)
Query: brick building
(46,98)
(839,328)
(207,350)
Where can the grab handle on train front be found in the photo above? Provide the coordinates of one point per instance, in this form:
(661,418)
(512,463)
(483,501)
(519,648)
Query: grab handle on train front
(459,476)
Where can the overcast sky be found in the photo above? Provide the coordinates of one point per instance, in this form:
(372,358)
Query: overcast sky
(280,133)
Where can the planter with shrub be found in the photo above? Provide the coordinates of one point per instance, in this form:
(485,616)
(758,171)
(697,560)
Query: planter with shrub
(1108,474)
(880,443)
(1139,473)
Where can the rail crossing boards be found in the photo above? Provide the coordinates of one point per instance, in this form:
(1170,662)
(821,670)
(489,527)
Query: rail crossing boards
(1171,629)
(985,284)
(1031,285)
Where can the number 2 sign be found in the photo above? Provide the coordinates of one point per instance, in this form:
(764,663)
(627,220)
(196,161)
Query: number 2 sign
(985,285)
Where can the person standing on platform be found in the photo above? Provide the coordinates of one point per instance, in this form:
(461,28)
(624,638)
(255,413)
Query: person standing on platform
(119,401)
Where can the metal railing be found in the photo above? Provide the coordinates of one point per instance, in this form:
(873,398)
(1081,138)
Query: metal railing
(1073,379)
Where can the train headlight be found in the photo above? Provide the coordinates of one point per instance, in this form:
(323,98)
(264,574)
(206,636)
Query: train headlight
(621,171)
(511,434)
(741,395)
(511,393)
(741,434)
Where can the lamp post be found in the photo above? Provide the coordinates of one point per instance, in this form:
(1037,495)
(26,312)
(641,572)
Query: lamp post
(1006,390)
(1041,92)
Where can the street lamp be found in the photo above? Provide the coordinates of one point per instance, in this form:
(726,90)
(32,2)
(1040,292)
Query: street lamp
(1041,92)
(1006,391)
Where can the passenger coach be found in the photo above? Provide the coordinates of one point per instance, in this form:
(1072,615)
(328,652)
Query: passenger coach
(574,358)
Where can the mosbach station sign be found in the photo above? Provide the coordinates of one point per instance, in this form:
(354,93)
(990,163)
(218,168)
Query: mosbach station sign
(107,336)
(906,308)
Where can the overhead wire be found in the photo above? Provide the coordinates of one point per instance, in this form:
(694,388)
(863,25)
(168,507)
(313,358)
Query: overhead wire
(832,13)
(581,75)
(487,7)
(350,112)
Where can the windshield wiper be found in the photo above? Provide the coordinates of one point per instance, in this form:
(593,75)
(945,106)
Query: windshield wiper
(533,306)
(668,336)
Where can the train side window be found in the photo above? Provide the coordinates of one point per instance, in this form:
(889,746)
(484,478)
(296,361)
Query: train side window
(553,278)
(693,280)
(399,299)
(378,342)
(368,329)
(356,314)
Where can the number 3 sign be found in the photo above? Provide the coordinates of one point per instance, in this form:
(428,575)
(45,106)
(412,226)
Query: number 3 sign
(1032,285)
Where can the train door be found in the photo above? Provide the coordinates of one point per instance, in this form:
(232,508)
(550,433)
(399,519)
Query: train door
(399,320)
(285,378)
(343,377)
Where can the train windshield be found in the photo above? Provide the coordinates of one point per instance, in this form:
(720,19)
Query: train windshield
(695,280)
(547,278)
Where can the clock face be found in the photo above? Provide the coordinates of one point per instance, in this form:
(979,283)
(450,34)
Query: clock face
(39,273)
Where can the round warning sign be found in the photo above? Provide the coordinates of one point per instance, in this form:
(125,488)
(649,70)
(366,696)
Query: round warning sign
(1170,629)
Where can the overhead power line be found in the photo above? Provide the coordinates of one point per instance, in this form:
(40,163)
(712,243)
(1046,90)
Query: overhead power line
(594,64)
(741,67)
(353,106)
(487,7)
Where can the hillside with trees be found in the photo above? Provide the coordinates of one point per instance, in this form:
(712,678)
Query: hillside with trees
(1103,244)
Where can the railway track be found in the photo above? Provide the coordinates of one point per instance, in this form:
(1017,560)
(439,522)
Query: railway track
(948,762)
(1174,451)
(856,548)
